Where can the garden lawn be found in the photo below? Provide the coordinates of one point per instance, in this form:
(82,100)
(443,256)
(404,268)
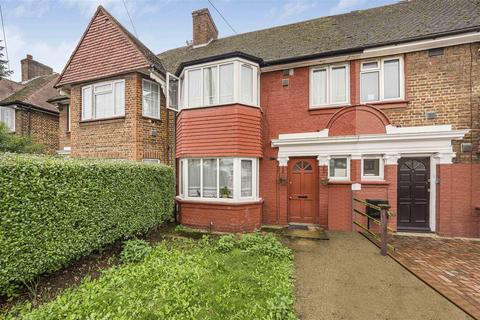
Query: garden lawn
(249,278)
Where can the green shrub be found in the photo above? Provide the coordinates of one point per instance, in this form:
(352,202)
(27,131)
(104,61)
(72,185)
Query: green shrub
(54,210)
(226,243)
(267,245)
(135,251)
(10,142)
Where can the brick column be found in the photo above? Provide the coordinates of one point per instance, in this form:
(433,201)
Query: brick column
(444,203)
(391,176)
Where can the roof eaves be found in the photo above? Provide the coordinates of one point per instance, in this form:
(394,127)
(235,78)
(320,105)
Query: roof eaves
(29,106)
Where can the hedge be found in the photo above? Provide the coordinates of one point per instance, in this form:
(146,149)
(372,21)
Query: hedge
(53,210)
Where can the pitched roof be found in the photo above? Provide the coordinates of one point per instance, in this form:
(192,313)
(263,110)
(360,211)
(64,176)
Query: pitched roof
(35,93)
(7,87)
(400,22)
(106,49)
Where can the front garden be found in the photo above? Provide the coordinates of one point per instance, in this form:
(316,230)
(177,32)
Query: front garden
(248,277)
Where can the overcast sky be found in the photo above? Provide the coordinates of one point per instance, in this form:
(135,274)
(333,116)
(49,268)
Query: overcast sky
(50,29)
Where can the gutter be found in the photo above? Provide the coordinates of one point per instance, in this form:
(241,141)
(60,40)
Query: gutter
(28,106)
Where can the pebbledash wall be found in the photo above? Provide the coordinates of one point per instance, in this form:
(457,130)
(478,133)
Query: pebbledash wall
(41,126)
(132,136)
(448,84)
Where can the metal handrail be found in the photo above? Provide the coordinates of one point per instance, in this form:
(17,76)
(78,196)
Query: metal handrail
(372,218)
(368,204)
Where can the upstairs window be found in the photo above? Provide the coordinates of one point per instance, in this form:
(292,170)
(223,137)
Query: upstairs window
(381,80)
(7,116)
(329,85)
(217,84)
(103,100)
(150,99)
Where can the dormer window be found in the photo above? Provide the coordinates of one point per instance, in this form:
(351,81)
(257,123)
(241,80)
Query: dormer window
(225,82)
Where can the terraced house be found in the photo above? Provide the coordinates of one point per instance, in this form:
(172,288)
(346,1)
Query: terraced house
(284,125)
(26,108)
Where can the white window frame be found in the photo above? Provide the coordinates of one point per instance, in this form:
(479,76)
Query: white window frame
(69,118)
(159,101)
(236,196)
(328,69)
(347,178)
(92,87)
(13,113)
(381,170)
(151,160)
(237,98)
(179,93)
(380,69)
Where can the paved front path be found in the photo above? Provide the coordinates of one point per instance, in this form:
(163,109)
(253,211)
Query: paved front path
(347,278)
(451,266)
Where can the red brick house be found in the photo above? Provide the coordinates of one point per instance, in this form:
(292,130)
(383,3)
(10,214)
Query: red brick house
(25,107)
(117,106)
(275,126)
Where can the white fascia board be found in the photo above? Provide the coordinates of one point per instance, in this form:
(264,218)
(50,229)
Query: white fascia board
(318,134)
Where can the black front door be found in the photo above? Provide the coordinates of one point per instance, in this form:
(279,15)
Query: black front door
(413,193)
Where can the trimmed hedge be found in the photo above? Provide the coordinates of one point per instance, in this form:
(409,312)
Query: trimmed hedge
(54,210)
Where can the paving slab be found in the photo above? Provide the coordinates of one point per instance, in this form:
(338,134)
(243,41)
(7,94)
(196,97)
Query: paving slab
(347,278)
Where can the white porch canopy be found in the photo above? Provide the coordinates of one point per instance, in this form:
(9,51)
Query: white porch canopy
(395,143)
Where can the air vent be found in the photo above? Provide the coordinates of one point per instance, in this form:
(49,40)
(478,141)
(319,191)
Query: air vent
(285,82)
(430,115)
(287,72)
(435,52)
(466,147)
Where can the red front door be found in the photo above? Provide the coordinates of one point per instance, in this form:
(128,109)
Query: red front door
(302,195)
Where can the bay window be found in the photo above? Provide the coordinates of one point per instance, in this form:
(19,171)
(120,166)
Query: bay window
(381,80)
(329,85)
(150,99)
(219,179)
(7,116)
(225,82)
(339,168)
(103,100)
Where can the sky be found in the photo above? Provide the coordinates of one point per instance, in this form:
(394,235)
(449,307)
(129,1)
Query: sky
(50,29)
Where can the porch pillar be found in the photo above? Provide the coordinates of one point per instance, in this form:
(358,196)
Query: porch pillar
(391,176)
(323,190)
(282,185)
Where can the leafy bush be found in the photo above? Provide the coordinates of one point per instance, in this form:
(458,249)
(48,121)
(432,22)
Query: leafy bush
(55,210)
(226,243)
(181,280)
(267,245)
(135,251)
(10,142)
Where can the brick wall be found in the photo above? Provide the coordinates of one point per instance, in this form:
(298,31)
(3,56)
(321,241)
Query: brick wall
(442,84)
(42,127)
(130,137)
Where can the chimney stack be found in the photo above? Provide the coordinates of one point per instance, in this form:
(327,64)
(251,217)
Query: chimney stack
(32,68)
(204,28)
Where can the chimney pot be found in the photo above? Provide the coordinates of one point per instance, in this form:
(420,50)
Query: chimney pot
(29,57)
(204,29)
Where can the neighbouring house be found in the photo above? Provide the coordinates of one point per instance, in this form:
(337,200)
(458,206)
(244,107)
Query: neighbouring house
(25,106)
(116,89)
(278,126)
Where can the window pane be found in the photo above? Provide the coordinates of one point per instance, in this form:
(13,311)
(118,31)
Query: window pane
(319,87)
(369,86)
(370,65)
(339,84)
(87,103)
(391,70)
(226,178)
(226,83)
(371,167)
(172,92)
(247,83)
(246,187)
(103,105)
(210,85)
(103,88)
(194,177)
(67,111)
(119,98)
(151,99)
(7,116)
(180,178)
(209,178)
(194,88)
(338,167)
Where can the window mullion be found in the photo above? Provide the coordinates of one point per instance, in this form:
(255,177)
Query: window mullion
(201,178)
(218,178)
